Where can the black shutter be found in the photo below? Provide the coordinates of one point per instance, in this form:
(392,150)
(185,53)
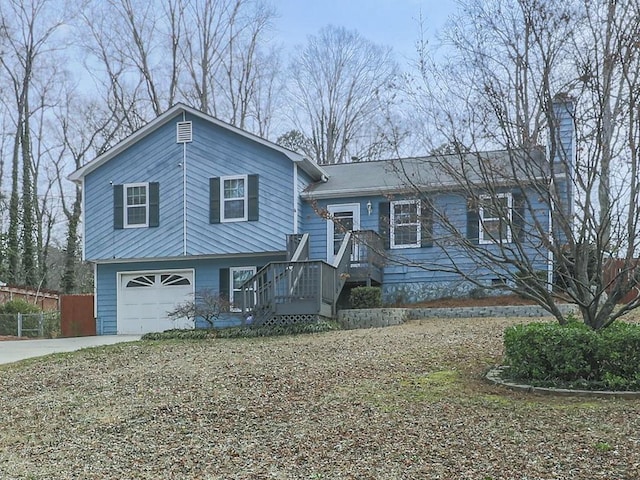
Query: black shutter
(517,219)
(384,217)
(214,200)
(253,197)
(426,224)
(224,284)
(154,204)
(118,207)
(473,219)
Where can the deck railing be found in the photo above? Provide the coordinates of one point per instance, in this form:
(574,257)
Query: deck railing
(367,259)
(298,246)
(302,287)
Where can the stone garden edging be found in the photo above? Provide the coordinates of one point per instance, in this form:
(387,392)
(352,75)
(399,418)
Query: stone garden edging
(385,317)
(488,311)
(372,317)
(493,376)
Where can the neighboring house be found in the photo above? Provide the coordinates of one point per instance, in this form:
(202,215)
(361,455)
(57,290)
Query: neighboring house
(190,203)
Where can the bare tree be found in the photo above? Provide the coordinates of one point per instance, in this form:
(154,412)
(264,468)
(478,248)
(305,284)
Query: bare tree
(212,54)
(85,130)
(206,305)
(232,72)
(341,84)
(28,29)
(527,67)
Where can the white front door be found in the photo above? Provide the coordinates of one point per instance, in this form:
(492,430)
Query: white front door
(145,298)
(342,219)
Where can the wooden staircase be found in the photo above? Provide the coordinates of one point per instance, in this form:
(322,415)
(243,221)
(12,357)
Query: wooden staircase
(298,290)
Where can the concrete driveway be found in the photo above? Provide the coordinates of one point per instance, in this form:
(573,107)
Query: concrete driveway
(14,350)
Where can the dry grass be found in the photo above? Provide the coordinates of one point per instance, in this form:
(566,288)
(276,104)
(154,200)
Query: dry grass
(403,402)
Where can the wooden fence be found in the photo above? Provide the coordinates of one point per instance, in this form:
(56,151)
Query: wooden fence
(76,316)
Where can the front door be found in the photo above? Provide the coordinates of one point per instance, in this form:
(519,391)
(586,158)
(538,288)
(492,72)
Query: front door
(342,219)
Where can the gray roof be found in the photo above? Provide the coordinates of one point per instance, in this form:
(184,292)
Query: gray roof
(439,172)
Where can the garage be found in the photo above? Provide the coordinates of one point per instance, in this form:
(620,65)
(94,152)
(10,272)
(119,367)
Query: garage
(144,298)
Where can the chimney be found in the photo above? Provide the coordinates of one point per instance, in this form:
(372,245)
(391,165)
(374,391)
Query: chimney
(563,149)
(563,129)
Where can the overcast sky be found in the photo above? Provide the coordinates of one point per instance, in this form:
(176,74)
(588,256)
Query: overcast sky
(388,22)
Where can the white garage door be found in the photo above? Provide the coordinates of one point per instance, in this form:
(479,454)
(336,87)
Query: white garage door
(145,298)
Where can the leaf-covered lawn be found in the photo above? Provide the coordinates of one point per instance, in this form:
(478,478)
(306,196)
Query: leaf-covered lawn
(402,402)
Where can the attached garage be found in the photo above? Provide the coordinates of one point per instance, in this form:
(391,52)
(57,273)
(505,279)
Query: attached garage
(144,298)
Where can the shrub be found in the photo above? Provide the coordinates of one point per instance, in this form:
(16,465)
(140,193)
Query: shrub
(243,332)
(573,355)
(366,297)
(18,306)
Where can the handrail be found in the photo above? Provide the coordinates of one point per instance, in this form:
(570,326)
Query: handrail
(370,247)
(307,283)
(302,250)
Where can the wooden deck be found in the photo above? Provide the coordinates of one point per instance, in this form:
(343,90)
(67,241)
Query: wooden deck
(300,289)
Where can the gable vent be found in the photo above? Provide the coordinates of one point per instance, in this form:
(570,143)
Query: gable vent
(183,132)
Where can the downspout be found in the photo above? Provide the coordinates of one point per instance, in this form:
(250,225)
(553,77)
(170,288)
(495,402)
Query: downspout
(84,230)
(550,258)
(296,198)
(99,331)
(184,193)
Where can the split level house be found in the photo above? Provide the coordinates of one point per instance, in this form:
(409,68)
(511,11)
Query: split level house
(189,203)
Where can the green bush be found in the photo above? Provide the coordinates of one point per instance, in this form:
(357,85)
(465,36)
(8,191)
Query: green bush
(366,297)
(18,306)
(243,332)
(573,355)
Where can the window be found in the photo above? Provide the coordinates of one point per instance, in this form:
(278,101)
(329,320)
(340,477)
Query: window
(405,224)
(237,276)
(233,199)
(136,204)
(142,281)
(170,280)
(495,214)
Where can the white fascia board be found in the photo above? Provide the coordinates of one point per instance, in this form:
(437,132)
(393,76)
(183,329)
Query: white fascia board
(328,194)
(124,144)
(309,166)
(105,261)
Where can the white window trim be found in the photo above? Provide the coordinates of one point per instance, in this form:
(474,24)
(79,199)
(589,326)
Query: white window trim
(245,179)
(125,220)
(481,219)
(232,270)
(392,224)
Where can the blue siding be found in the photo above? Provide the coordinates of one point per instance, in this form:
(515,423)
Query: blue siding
(206,276)
(304,180)
(316,226)
(214,152)
(414,283)
(154,158)
(218,152)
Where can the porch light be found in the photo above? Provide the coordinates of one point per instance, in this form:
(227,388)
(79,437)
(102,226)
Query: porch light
(369,207)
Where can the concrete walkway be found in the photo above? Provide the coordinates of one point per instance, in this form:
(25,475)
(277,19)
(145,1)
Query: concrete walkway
(15,350)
